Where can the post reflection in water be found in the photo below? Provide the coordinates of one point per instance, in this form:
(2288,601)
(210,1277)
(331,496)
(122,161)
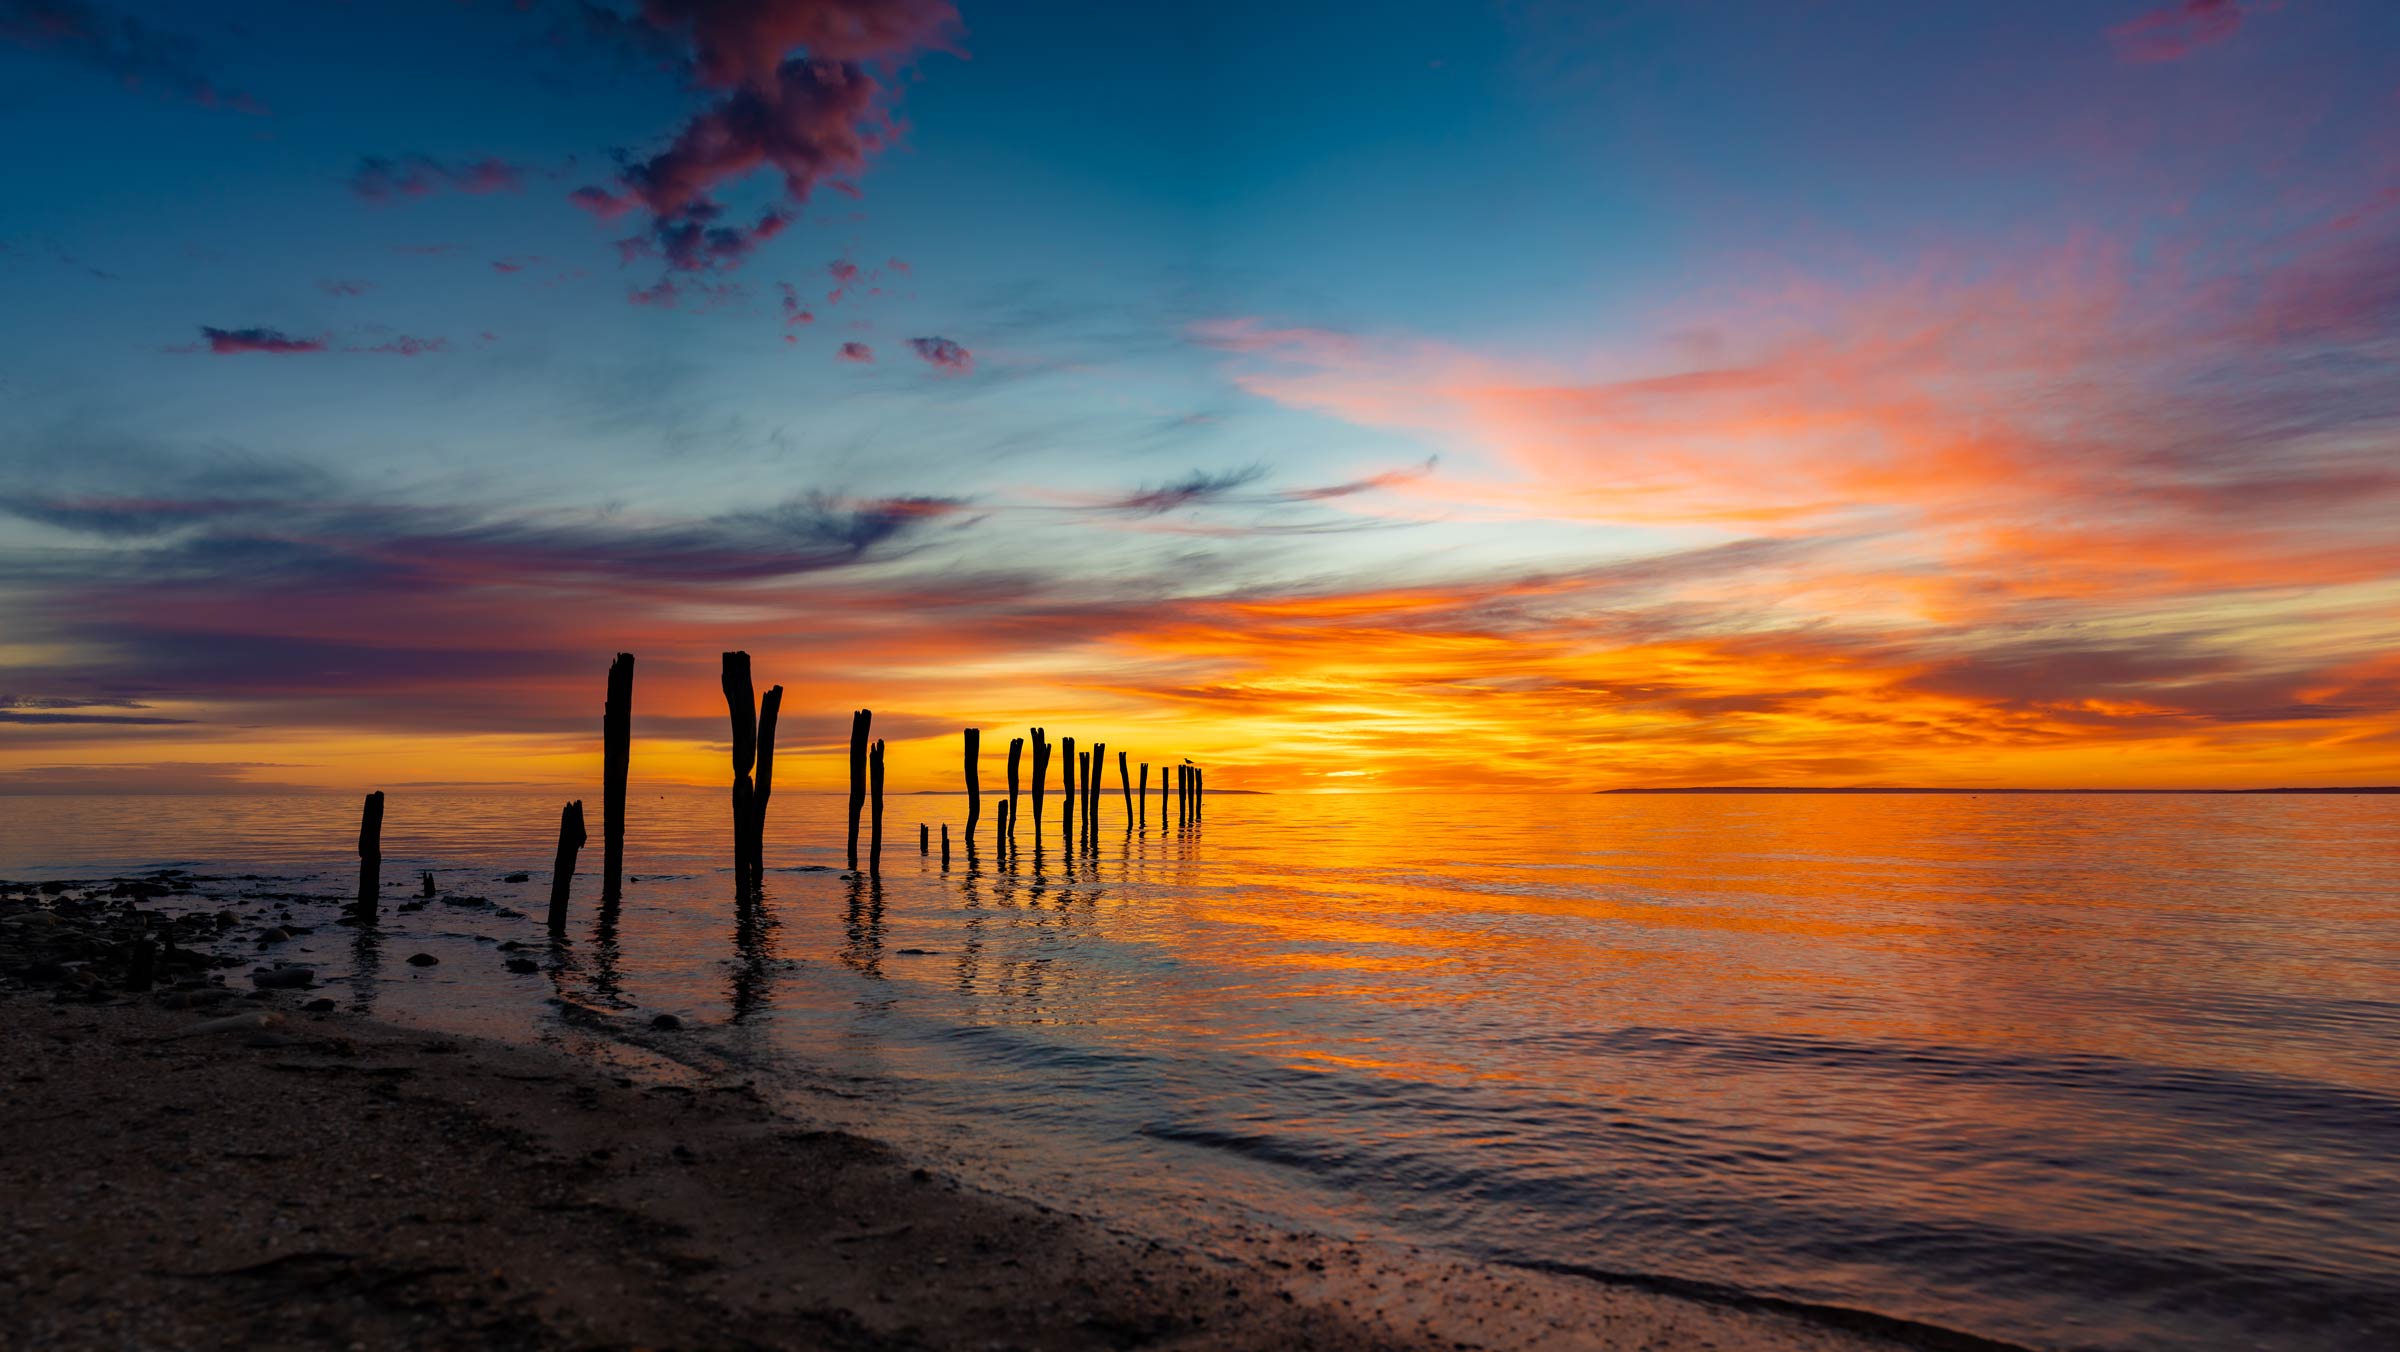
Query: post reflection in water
(752,984)
(366,964)
(1990,1063)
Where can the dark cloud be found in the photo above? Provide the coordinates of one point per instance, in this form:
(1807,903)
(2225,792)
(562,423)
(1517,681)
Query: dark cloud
(229,342)
(1191,490)
(943,353)
(2177,30)
(858,352)
(379,179)
(139,56)
(794,313)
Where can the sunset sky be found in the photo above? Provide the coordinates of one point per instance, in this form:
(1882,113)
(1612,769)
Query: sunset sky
(1541,395)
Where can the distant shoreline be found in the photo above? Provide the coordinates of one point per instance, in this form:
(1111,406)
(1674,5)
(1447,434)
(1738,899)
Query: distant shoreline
(2375,788)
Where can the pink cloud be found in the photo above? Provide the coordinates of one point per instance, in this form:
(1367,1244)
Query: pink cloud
(943,353)
(2176,31)
(793,313)
(380,179)
(137,54)
(858,352)
(845,275)
(229,342)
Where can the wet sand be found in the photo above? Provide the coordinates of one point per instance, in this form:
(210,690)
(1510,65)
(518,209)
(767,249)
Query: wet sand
(306,1178)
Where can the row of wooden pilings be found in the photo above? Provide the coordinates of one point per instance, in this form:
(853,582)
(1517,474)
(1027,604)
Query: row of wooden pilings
(1081,778)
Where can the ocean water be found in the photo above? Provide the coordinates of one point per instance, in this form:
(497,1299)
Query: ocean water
(2062,1071)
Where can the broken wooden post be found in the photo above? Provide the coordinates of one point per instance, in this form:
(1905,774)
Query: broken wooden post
(1091,792)
(974,785)
(763,786)
(1067,806)
(945,847)
(1008,822)
(1125,788)
(1143,799)
(875,827)
(562,868)
(370,852)
(741,707)
(860,721)
(924,838)
(428,888)
(1162,798)
(1041,771)
(616,753)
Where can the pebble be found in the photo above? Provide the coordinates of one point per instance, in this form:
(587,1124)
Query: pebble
(422,960)
(666,1021)
(523,965)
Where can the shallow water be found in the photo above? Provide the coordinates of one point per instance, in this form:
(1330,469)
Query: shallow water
(2063,1071)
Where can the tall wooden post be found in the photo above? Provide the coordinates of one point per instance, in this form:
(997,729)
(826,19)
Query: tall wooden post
(1008,824)
(562,868)
(1041,771)
(370,853)
(741,706)
(875,828)
(1143,798)
(616,755)
(945,847)
(1091,792)
(1067,806)
(1125,788)
(974,785)
(1162,798)
(764,787)
(860,721)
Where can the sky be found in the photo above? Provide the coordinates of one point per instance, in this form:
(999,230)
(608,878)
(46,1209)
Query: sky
(1510,394)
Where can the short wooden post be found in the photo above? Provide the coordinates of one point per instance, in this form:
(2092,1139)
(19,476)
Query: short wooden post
(741,707)
(1162,798)
(924,838)
(945,847)
(860,721)
(974,785)
(616,755)
(764,786)
(875,828)
(370,853)
(1144,797)
(562,868)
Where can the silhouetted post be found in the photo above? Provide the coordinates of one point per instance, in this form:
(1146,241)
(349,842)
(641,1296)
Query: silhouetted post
(427,890)
(1041,771)
(1000,829)
(875,826)
(945,847)
(974,785)
(1125,788)
(924,838)
(562,869)
(1068,806)
(1162,798)
(860,721)
(764,788)
(742,708)
(1091,792)
(1143,798)
(1008,823)
(370,852)
(616,755)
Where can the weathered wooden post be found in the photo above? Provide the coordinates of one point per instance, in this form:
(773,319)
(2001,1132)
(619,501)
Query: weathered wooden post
(860,721)
(562,868)
(875,828)
(1041,771)
(1067,806)
(1091,792)
(764,786)
(945,847)
(370,853)
(1125,788)
(741,706)
(974,785)
(1008,823)
(616,755)
(924,838)
(1143,798)
(1162,798)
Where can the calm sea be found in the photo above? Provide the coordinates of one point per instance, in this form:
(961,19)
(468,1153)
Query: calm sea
(2061,1071)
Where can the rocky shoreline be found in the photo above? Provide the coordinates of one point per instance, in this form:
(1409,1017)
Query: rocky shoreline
(197,1165)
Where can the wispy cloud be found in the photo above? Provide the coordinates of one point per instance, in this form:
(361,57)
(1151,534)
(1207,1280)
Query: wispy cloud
(139,56)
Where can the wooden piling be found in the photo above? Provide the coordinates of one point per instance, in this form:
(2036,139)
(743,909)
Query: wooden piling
(974,785)
(945,847)
(562,868)
(741,707)
(860,721)
(763,786)
(1091,792)
(875,827)
(370,853)
(616,755)
(924,838)
(1143,799)
(1008,823)
(1041,771)
(1125,787)
(1067,806)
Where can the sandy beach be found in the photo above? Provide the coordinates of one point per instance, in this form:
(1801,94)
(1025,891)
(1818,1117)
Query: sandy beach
(198,1165)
